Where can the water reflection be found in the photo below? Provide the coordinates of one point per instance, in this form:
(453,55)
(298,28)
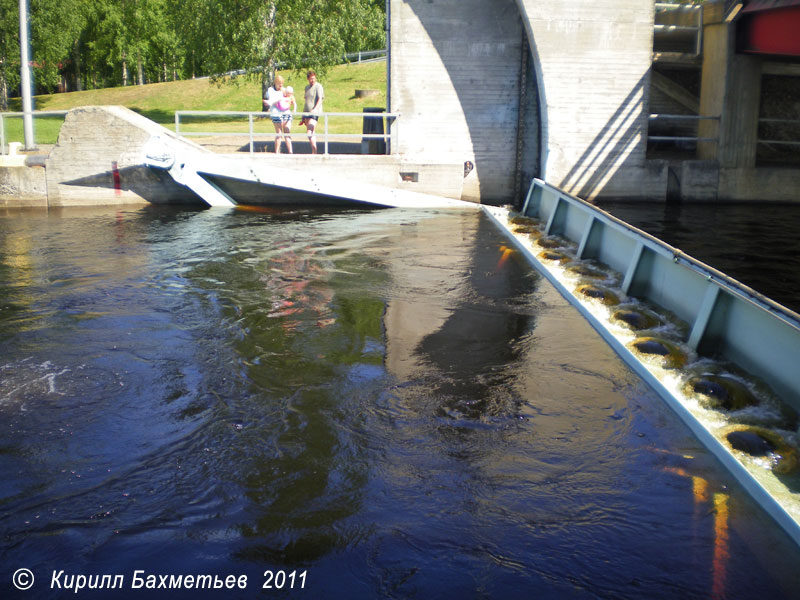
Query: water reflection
(480,337)
(301,337)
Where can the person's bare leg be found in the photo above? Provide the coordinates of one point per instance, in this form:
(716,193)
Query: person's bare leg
(312,139)
(279,137)
(287,128)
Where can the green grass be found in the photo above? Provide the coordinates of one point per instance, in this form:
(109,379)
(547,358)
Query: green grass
(159,101)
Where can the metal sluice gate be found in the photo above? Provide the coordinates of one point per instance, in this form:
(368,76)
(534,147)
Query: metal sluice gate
(731,341)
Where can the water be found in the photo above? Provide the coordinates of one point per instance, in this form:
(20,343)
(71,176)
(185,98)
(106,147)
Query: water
(747,410)
(389,401)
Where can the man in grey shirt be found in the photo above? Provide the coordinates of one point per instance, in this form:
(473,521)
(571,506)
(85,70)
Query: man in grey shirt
(312,108)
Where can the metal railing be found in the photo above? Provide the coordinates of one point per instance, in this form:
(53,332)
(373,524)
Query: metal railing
(795,122)
(654,117)
(697,28)
(390,135)
(366,55)
(18,115)
(680,138)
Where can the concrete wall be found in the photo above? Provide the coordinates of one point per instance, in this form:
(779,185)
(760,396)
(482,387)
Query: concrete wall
(455,73)
(22,186)
(395,172)
(455,70)
(593,60)
(99,160)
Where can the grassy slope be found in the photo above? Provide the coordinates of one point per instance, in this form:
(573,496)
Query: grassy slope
(159,101)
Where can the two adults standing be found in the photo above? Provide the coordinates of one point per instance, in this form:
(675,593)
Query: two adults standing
(280,101)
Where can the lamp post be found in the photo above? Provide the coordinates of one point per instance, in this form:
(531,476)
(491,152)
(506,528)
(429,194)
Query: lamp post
(25,76)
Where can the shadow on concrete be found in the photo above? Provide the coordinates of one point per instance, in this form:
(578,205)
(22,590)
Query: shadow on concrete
(154,185)
(304,147)
(601,159)
(482,26)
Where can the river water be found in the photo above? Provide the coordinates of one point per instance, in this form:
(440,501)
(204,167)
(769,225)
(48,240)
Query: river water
(386,404)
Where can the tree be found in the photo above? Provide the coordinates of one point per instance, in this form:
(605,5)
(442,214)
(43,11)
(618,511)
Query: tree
(54,26)
(102,42)
(9,49)
(259,35)
(82,31)
(362,25)
(166,49)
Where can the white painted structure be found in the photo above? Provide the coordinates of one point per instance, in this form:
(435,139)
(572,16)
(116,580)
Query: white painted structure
(208,175)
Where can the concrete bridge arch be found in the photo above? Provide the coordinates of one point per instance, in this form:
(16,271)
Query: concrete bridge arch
(524,88)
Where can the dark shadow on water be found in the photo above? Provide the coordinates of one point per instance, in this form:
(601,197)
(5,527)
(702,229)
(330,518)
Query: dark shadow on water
(475,345)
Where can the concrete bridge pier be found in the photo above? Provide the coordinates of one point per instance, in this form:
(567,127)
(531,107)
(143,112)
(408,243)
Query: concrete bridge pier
(731,90)
(562,91)
(518,89)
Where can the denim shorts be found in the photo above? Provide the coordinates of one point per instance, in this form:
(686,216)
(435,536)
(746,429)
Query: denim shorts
(283,118)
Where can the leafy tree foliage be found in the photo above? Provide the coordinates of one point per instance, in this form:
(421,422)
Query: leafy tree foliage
(82,44)
(9,49)
(52,26)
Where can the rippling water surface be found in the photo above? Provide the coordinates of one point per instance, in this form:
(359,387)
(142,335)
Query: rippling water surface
(389,401)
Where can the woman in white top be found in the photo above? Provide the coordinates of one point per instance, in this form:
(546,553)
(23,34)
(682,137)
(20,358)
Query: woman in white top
(280,105)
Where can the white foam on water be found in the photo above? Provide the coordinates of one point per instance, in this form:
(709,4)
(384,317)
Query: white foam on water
(25,380)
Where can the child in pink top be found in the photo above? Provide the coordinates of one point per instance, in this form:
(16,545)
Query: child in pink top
(288,100)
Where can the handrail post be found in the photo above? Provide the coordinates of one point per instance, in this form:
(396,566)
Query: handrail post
(250,118)
(26,88)
(177,122)
(699,38)
(326,133)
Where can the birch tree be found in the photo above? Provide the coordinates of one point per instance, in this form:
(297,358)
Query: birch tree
(260,36)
